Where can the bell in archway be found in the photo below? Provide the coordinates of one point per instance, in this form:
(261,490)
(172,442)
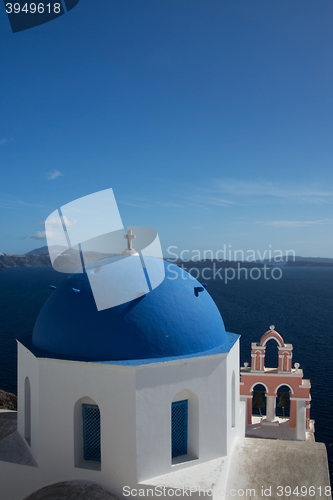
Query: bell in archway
(283,402)
(259,403)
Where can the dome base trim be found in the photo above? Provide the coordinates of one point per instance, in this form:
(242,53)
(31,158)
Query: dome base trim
(40,353)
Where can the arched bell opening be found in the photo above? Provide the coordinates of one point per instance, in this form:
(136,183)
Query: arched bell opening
(259,401)
(272,354)
(282,409)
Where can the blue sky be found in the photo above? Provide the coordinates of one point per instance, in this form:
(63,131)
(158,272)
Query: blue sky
(211,120)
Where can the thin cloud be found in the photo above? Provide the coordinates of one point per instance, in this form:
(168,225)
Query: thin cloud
(135,204)
(40,235)
(15,204)
(169,204)
(52,235)
(237,193)
(143,203)
(295,223)
(3,141)
(27,204)
(261,189)
(208,199)
(54,174)
(152,203)
(55,222)
(6,205)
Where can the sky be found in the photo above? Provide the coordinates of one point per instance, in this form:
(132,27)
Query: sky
(211,120)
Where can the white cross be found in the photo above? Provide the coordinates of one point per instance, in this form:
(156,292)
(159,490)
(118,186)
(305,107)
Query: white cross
(129,237)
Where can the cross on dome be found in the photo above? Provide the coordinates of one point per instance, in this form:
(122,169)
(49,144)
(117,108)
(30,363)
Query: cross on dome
(129,250)
(129,236)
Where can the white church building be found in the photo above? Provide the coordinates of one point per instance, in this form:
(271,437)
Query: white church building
(141,399)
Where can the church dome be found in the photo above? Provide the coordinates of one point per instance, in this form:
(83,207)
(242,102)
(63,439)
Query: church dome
(171,320)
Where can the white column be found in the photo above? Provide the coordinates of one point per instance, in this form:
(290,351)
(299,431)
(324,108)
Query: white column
(262,358)
(301,416)
(270,409)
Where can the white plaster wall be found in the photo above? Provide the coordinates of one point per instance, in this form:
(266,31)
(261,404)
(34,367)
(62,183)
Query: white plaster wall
(18,481)
(157,386)
(243,400)
(233,365)
(28,366)
(135,406)
(241,425)
(58,385)
(112,387)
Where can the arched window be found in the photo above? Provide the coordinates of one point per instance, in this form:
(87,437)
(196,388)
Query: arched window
(233,400)
(27,411)
(179,427)
(91,432)
(184,426)
(87,434)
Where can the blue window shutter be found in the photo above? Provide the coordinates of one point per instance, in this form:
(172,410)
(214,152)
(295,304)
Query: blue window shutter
(91,432)
(179,420)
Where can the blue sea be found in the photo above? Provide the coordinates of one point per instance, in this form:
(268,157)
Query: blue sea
(299,305)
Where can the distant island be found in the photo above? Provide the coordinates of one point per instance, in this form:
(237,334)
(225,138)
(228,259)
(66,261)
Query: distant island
(308,263)
(40,258)
(217,264)
(298,261)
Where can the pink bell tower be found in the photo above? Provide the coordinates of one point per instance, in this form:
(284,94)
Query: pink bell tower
(298,426)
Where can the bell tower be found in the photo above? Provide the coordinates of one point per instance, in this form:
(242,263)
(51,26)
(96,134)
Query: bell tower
(299,424)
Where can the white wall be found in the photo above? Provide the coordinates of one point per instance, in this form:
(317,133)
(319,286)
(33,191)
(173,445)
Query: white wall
(209,378)
(135,405)
(28,366)
(59,385)
(233,366)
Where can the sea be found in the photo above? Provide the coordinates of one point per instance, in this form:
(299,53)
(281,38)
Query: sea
(297,301)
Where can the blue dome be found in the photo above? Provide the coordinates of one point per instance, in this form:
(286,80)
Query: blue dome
(169,321)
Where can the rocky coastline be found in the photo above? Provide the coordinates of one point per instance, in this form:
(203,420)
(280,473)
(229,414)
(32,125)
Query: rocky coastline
(42,260)
(8,400)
